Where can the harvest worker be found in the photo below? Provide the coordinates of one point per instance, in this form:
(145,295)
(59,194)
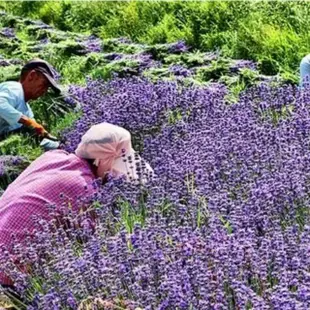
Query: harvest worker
(57,178)
(305,71)
(35,79)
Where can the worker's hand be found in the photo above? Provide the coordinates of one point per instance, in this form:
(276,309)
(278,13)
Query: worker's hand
(40,130)
(29,122)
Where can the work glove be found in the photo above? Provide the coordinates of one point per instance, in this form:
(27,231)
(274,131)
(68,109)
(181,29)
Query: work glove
(39,129)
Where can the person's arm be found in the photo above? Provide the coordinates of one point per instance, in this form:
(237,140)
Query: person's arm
(29,122)
(12,116)
(39,129)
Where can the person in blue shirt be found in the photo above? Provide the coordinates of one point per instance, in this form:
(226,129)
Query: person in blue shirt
(15,112)
(304,71)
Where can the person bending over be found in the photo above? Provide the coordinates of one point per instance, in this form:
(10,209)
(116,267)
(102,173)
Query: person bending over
(60,178)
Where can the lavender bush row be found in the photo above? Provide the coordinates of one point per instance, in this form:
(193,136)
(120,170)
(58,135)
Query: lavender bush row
(224,225)
(9,163)
(164,266)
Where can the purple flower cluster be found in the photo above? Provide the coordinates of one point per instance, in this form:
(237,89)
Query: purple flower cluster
(10,168)
(7,32)
(237,65)
(179,70)
(178,47)
(56,74)
(45,41)
(70,99)
(136,104)
(8,163)
(42,25)
(225,223)
(37,24)
(93,44)
(143,61)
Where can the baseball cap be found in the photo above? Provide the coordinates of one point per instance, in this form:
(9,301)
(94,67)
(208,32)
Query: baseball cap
(45,68)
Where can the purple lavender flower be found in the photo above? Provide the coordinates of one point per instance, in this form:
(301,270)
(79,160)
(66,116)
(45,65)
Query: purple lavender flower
(8,32)
(93,44)
(8,62)
(69,100)
(179,70)
(236,65)
(45,41)
(56,74)
(10,168)
(8,163)
(178,47)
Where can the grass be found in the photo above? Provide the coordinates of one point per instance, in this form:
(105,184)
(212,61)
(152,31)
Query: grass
(273,33)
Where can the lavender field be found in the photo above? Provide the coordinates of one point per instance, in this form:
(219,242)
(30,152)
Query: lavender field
(225,222)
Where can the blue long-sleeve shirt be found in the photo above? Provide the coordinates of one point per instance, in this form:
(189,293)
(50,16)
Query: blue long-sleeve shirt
(12,106)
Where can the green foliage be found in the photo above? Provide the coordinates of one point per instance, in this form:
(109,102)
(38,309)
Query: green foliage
(157,73)
(273,33)
(50,109)
(161,33)
(65,123)
(22,145)
(10,73)
(213,71)
(121,67)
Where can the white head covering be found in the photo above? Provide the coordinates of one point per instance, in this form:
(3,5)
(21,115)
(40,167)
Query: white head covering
(110,146)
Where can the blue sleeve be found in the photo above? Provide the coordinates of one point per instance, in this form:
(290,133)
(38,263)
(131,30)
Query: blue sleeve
(29,111)
(8,112)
